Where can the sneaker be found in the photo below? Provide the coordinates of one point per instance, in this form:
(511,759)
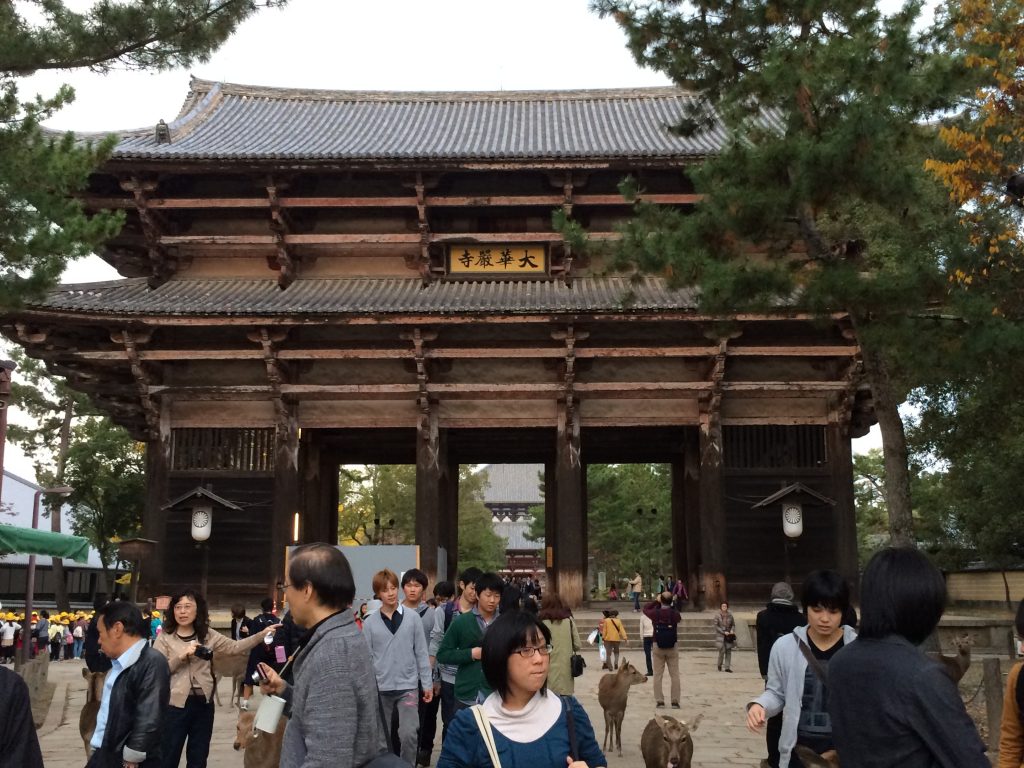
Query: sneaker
(423,758)
(675,705)
(660,705)
(719,667)
(728,670)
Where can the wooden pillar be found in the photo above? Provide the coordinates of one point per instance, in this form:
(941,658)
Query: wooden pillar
(550,518)
(329,492)
(691,506)
(569,558)
(286,492)
(429,460)
(312,524)
(450,518)
(680,539)
(712,513)
(840,459)
(154,516)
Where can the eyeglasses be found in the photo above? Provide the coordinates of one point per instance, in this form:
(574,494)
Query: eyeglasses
(283,586)
(528,651)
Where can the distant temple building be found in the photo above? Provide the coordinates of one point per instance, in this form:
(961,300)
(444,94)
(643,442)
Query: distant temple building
(512,489)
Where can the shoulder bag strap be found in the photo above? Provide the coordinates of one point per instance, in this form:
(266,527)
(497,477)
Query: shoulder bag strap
(488,736)
(814,664)
(570,723)
(573,635)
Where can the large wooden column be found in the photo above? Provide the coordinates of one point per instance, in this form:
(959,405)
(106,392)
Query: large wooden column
(286,491)
(680,536)
(429,491)
(713,585)
(840,459)
(569,556)
(550,523)
(449,528)
(154,517)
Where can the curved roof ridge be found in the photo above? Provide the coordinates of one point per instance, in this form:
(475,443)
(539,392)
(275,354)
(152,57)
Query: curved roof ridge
(200,87)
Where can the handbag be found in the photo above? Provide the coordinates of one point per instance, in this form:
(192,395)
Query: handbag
(576,662)
(488,736)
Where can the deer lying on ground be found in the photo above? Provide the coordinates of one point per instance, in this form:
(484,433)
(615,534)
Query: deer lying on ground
(612,692)
(262,750)
(93,696)
(233,666)
(812,759)
(956,666)
(666,742)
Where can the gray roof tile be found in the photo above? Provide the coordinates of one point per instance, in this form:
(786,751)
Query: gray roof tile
(226,121)
(362,296)
(513,484)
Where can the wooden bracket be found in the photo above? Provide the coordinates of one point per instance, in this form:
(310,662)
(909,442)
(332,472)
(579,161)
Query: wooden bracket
(130,341)
(841,405)
(280,226)
(711,407)
(423,226)
(31,334)
(570,430)
(277,373)
(162,265)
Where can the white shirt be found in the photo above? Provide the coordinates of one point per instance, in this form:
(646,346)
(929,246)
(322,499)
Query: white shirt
(118,665)
(8,630)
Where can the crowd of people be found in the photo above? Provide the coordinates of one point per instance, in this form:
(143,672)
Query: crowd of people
(363,688)
(60,635)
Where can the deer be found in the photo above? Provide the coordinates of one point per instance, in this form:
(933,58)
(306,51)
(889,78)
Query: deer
(91,708)
(667,742)
(956,666)
(262,750)
(612,692)
(812,759)
(229,665)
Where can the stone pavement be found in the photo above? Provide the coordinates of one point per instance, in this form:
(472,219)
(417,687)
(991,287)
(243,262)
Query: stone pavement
(721,740)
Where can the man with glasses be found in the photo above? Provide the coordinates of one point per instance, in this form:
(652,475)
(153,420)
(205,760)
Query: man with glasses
(332,704)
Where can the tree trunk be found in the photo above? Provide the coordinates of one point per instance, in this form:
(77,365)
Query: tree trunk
(894,446)
(60,588)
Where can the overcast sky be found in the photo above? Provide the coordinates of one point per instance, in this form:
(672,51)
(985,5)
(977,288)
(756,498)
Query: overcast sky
(399,45)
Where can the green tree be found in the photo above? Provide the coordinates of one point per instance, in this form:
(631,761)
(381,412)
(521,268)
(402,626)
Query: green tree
(42,225)
(869,498)
(622,534)
(107,469)
(479,545)
(52,408)
(819,193)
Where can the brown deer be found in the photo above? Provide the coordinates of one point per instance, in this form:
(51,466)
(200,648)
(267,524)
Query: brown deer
(667,742)
(612,692)
(262,750)
(230,665)
(812,759)
(93,696)
(956,666)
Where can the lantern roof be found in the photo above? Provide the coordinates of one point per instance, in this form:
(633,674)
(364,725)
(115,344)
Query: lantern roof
(197,493)
(797,492)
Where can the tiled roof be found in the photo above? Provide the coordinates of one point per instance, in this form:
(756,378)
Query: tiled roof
(362,296)
(514,534)
(513,484)
(226,121)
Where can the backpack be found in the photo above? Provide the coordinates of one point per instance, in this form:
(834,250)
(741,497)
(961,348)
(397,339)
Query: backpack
(78,634)
(449,613)
(665,634)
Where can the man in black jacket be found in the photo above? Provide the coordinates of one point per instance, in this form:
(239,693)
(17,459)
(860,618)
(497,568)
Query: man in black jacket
(780,618)
(135,694)
(18,742)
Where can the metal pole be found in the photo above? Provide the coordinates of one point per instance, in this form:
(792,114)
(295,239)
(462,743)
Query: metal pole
(30,588)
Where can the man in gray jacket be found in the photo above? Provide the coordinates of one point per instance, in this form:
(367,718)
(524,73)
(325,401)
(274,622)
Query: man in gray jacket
(333,706)
(398,644)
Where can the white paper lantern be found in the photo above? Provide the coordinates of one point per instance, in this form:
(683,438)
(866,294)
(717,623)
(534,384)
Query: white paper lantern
(202,520)
(792,520)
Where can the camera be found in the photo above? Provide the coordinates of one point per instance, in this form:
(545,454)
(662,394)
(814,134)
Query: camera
(204,652)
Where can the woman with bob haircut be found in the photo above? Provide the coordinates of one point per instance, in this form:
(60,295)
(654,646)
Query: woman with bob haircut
(527,725)
(189,644)
(890,704)
(565,642)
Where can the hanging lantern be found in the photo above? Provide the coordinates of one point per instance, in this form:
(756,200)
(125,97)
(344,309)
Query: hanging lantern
(202,521)
(792,520)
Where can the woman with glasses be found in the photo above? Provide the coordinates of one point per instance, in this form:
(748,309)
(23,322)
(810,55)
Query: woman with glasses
(521,724)
(190,645)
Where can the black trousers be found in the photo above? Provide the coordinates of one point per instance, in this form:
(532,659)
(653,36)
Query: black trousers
(648,642)
(447,707)
(428,723)
(192,723)
(772,733)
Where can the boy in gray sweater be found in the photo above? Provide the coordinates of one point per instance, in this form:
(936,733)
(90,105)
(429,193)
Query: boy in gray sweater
(398,646)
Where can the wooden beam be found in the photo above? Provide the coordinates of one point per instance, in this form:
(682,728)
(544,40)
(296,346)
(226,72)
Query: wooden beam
(440,201)
(376,238)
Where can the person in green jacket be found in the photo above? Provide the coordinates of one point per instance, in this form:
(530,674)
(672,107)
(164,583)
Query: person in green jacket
(461,645)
